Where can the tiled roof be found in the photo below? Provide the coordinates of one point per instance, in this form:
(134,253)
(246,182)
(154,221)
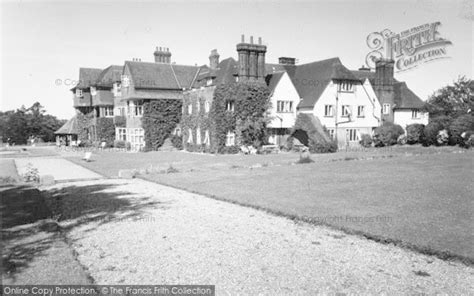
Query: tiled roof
(226,70)
(405,98)
(69,128)
(109,75)
(273,79)
(161,76)
(311,79)
(87,77)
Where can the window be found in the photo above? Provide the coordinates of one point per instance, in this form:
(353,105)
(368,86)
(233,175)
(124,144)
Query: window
(135,109)
(346,86)
(93,91)
(415,114)
(125,81)
(79,93)
(230,106)
(190,136)
(198,136)
(361,111)
(190,108)
(386,109)
(346,110)
(207,106)
(352,135)
(198,105)
(329,110)
(207,139)
(209,81)
(331,133)
(284,106)
(108,111)
(230,139)
(121,134)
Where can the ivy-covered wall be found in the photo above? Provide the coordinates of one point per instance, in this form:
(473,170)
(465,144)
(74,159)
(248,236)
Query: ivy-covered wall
(160,118)
(105,129)
(247,120)
(85,122)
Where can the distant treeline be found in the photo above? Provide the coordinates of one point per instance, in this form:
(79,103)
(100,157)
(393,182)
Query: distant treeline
(19,126)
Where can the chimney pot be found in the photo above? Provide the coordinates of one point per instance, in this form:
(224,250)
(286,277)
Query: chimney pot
(260,40)
(243,38)
(251,39)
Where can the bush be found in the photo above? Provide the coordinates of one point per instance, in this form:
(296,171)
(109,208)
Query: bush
(86,143)
(366,140)
(229,150)
(443,137)
(387,134)
(160,118)
(402,140)
(469,141)
(122,144)
(177,142)
(322,147)
(31,174)
(415,133)
(432,131)
(459,126)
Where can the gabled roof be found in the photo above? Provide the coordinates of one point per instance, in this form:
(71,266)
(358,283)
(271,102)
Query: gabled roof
(226,70)
(405,98)
(87,77)
(362,75)
(109,75)
(69,128)
(273,79)
(161,75)
(311,79)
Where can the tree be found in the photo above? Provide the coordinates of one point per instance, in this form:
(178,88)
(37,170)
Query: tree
(452,100)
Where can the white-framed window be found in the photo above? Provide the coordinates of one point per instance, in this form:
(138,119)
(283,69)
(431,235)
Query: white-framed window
(230,139)
(125,81)
(207,139)
(230,106)
(207,106)
(328,110)
(79,93)
(386,109)
(331,133)
(190,108)
(108,111)
(346,110)
(93,91)
(346,86)
(415,114)
(198,106)
(352,135)
(209,81)
(284,106)
(121,134)
(135,108)
(361,111)
(198,136)
(190,136)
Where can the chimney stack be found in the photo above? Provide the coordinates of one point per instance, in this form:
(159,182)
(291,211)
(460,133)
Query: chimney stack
(214,59)
(286,61)
(251,60)
(162,55)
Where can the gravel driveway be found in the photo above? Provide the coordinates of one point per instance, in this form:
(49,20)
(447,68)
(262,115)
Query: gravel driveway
(176,237)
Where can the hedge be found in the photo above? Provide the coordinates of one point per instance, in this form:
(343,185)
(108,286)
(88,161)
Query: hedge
(415,133)
(105,130)
(460,125)
(309,131)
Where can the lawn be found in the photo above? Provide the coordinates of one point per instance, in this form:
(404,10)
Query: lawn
(413,196)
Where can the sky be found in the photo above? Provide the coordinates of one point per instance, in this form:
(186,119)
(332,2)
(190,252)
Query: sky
(43,43)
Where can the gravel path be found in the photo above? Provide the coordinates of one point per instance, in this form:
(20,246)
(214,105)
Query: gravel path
(177,237)
(60,169)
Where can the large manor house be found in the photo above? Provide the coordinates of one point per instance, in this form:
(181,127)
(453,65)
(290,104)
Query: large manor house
(348,103)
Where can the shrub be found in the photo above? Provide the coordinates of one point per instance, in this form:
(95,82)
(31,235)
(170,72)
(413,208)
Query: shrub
(366,140)
(459,126)
(469,141)
(160,118)
(229,150)
(432,130)
(288,145)
(86,143)
(387,134)
(122,144)
(105,130)
(31,174)
(415,133)
(177,142)
(322,147)
(443,137)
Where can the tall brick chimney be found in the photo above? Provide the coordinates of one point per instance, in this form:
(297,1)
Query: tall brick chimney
(162,55)
(251,60)
(214,59)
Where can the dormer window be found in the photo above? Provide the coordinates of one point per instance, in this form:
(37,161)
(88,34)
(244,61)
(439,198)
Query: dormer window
(209,82)
(125,81)
(79,93)
(346,86)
